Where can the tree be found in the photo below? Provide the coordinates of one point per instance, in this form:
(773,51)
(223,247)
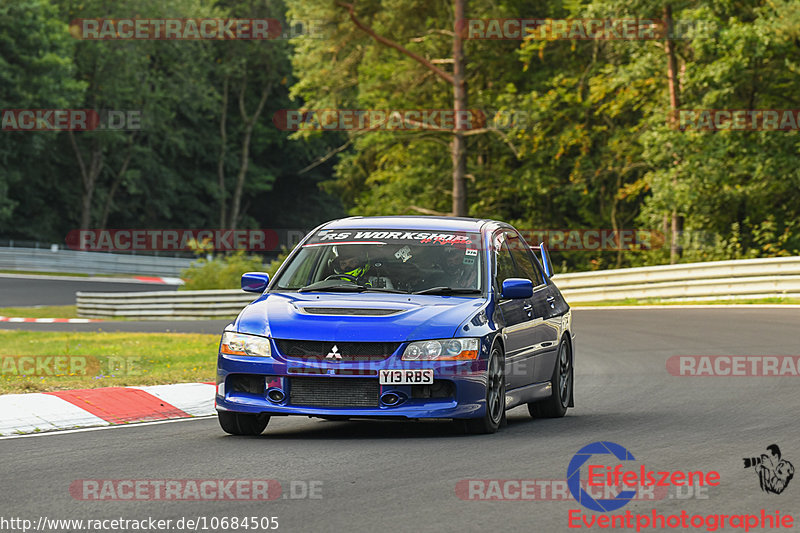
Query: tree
(36,72)
(408,47)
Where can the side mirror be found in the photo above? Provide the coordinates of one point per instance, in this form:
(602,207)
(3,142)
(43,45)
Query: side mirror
(255,281)
(546,263)
(517,288)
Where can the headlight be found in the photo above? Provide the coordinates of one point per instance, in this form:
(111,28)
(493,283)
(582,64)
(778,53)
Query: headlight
(241,344)
(442,350)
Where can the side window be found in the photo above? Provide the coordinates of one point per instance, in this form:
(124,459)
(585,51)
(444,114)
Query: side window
(526,267)
(505,265)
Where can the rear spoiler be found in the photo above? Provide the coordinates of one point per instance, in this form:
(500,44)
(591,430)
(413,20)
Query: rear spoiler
(545,258)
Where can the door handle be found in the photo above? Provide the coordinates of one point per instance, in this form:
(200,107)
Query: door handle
(551,300)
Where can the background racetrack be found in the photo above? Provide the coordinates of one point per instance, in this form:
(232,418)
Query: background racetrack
(21,290)
(401,476)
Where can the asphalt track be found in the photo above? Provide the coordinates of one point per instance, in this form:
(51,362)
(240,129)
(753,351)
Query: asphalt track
(18,291)
(401,476)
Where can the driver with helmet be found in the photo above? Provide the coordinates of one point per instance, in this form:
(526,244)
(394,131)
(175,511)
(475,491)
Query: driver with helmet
(351,261)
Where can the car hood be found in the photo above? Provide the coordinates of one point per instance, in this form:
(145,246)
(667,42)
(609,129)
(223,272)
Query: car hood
(356,317)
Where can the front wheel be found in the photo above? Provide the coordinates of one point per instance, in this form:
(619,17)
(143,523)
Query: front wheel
(556,405)
(242,423)
(495,397)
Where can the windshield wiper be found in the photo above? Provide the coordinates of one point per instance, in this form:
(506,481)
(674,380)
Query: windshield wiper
(384,289)
(448,290)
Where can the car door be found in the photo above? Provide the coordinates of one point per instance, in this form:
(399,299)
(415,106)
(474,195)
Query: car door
(516,314)
(541,336)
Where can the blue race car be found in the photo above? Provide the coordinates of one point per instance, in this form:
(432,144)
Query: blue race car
(400,317)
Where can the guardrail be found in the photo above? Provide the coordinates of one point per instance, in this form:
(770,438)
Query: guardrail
(750,278)
(59,260)
(154,304)
(775,277)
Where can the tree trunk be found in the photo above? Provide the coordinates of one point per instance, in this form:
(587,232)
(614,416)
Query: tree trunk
(614,222)
(674,104)
(249,123)
(458,146)
(116,183)
(223,137)
(88,178)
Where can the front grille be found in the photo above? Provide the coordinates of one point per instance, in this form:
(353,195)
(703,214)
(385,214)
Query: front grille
(349,311)
(335,371)
(344,351)
(334,392)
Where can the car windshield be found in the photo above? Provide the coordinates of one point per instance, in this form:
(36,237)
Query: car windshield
(404,261)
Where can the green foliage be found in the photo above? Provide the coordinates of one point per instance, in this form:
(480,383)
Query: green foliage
(36,71)
(220,272)
(593,147)
(171,178)
(225,271)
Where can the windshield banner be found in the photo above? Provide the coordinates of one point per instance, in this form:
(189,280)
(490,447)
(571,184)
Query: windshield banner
(381,236)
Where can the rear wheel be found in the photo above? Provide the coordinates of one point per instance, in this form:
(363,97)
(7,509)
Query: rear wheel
(242,423)
(495,397)
(556,405)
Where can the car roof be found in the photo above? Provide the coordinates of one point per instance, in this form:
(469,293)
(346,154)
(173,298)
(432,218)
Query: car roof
(436,223)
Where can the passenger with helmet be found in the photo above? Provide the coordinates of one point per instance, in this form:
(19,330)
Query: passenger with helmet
(460,269)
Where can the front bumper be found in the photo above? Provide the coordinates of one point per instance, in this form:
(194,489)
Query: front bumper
(463,381)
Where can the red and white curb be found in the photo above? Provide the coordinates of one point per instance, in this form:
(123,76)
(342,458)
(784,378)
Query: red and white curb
(48,411)
(49,320)
(162,280)
(159,279)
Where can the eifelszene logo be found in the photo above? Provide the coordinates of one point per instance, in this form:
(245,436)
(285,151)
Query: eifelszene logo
(574,476)
(774,473)
(617,477)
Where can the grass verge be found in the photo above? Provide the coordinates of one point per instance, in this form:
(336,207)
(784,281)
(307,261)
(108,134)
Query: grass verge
(36,361)
(37,273)
(633,301)
(41,311)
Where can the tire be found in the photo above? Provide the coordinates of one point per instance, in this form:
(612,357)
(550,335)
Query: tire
(495,412)
(562,379)
(242,423)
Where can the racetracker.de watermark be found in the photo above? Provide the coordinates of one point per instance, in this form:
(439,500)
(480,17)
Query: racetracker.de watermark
(70,120)
(175,29)
(166,240)
(388,119)
(259,29)
(70,365)
(734,365)
(735,119)
(617,29)
(194,489)
(595,240)
(519,490)
(269,240)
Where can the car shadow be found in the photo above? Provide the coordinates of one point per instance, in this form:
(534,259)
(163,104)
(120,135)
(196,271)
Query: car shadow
(369,429)
(518,422)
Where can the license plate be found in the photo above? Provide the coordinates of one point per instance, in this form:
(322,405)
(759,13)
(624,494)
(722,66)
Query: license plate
(422,376)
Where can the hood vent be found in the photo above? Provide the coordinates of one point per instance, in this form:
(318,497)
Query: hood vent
(349,311)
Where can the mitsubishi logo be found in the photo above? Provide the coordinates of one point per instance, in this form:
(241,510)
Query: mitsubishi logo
(334,354)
